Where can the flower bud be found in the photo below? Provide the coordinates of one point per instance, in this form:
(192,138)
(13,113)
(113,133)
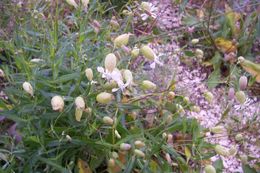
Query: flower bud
(208,96)
(121,40)
(239,137)
(209,169)
(148,85)
(80,103)
(89,74)
(139,144)
(186,99)
(72,3)
(57,103)
(232,151)
(68,138)
(241,97)
(168,158)
(78,114)
(85,3)
(115,155)
(195,108)
(114,24)
(125,146)
(2,74)
(199,53)
(135,52)
(231,93)
(28,88)
(171,95)
(145,6)
(195,41)
(104,97)
(218,129)
(117,134)
(242,82)
(107,120)
(147,52)
(223,151)
(110,62)
(164,135)
(139,153)
(127,74)
(111,163)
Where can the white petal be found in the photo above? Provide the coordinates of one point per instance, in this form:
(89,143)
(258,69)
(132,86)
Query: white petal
(152,65)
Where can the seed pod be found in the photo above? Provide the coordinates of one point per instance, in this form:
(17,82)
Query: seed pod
(147,52)
(209,169)
(139,153)
(104,98)
(85,3)
(72,3)
(110,62)
(223,151)
(242,82)
(231,93)
(125,146)
(89,74)
(2,74)
(139,144)
(199,53)
(111,163)
(208,96)
(148,85)
(57,103)
(135,52)
(241,97)
(127,74)
(195,41)
(239,137)
(121,40)
(80,103)
(78,114)
(107,120)
(218,129)
(28,88)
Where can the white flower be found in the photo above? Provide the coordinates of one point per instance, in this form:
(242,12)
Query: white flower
(116,76)
(149,9)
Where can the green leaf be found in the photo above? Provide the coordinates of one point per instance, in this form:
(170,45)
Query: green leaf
(248,169)
(218,164)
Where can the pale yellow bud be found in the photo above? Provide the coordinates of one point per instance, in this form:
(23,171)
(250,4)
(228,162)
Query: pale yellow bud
(147,52)
(199,53)
(125,146)
(127,74)
(72,3)
(145,6)
(107,120)
(218,130)
(28,88)
(239,137)
(110,62)
(208,96)
(241,97)
(195,41)
(139,153)
(117,134)
(89,74)
(68,138)
(195,109)
(164,135)
(111,163)
(121,40)
(209,169)
(148,85)
(223,151)
(232,151)
(80,103)
(78,114)
(171,95)
(114,23)
(139,144)
(104,98)
(2,74)
(85,3)
(135,52)
(115,155)
(57,103)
